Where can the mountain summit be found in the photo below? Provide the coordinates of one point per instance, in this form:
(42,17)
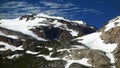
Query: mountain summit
(44,27)
(42,41)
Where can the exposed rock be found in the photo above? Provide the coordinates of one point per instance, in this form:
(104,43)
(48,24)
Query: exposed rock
(63,32)
(28,17)
(59,45)
(97,58)
(112,35)
(117,56)
(76,65)
(29,61)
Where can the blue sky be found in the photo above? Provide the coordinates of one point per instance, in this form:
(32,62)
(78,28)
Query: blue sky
(93,12)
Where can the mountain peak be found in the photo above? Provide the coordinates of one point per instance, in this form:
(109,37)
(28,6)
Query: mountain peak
(40,15)
(57,42)
(42,26)
(110,31)
(115,22)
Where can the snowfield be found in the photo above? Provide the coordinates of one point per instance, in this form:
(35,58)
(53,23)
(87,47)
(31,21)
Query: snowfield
(93,41)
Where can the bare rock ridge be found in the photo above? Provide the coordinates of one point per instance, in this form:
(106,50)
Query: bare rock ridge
(42,41)
(111,34)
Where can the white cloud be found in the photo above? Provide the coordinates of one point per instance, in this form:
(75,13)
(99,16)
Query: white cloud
(15,9)
(57,5)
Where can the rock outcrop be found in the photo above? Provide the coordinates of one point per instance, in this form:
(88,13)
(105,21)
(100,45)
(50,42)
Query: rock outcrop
(113,36)
(42,41)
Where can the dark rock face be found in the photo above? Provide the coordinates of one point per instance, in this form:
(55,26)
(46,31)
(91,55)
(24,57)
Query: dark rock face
(29,61)
(63,32)
(52,33)
(28,17)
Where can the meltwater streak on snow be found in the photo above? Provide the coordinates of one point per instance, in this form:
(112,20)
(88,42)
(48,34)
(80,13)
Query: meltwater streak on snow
(8,46)
(112,24)
(22,26)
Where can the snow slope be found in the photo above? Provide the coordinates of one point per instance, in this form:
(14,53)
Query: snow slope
(22,25)
(25,25)
(93,41)
(113,23)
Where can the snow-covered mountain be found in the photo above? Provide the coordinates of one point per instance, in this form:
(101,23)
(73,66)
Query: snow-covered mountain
(42,41)
(44,27)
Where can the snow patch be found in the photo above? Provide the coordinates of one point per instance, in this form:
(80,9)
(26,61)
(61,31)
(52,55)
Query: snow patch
(94,41)
(111,56)
(30,52)
(63,50)
(14,56)
(47,16)
(111,24)
(80,22)
(73,32)
(78,46)
(49,48)
(83,61)
(57,24)
(8,46)
(47,57)
(10,36)
(22,26)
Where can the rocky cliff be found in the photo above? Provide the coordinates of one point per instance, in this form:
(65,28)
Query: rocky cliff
(42,41)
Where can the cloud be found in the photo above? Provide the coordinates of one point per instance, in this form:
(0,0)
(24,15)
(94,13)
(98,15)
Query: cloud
(15,9)
(57,5)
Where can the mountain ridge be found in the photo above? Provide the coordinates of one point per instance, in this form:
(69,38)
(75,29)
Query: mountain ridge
(42,41)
